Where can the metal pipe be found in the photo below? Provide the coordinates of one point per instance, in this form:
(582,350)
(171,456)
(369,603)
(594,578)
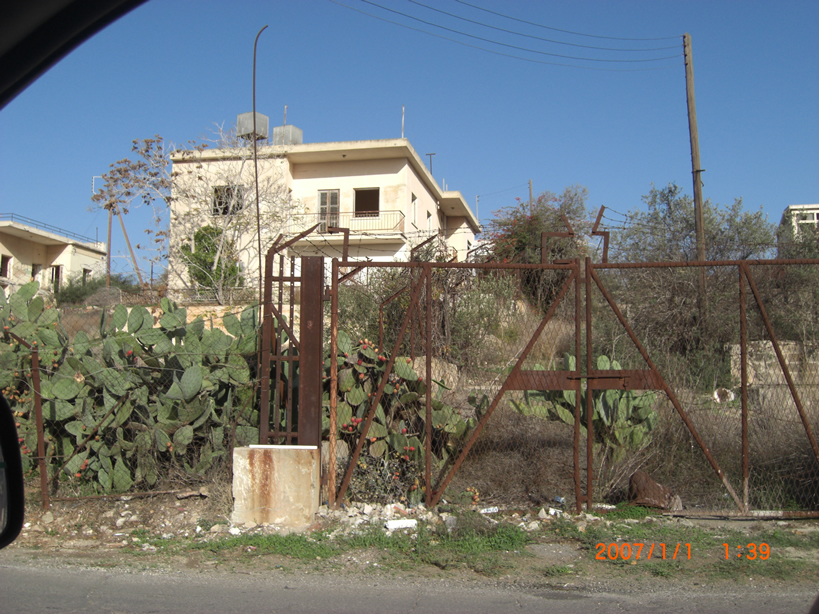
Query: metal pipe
(578,494)
(428,380)
(743,350)
(589,393)
(709,263)
(256,166)
(331,465)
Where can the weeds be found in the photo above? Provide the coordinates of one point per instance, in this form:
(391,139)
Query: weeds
(295,546)
(625,511)
(553,571)
(471,546)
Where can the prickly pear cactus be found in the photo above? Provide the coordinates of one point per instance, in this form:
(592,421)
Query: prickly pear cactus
(394,442)
(622,420)
(132,402)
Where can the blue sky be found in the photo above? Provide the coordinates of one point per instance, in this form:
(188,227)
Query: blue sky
(177,67)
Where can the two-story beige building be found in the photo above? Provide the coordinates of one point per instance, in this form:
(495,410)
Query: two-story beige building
(379,189)
(801,215)
(34,251)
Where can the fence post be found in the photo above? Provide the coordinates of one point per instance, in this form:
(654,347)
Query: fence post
(331,464)
(311,362)
(38,414)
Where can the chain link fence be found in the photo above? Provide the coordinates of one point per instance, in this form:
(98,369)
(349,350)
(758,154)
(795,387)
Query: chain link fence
(688,429)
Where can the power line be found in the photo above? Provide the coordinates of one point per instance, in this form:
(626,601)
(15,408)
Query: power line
(540,38)
(517,47)
(500,53)
(531,23)
(522,185)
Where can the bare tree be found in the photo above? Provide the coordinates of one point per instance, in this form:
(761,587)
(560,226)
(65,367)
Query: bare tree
(203,201)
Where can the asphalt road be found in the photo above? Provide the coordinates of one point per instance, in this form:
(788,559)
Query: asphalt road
(46,590)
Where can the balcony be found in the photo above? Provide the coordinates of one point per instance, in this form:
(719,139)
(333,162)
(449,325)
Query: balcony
(379,224)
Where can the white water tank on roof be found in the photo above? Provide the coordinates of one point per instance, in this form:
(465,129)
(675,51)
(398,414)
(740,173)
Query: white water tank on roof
(287,135)
(244,126)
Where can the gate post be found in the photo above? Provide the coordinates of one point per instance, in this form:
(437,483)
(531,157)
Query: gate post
(311,363)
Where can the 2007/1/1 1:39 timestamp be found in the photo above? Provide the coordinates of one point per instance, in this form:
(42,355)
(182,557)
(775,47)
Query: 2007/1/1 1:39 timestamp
(634,551)
(749,551)
(626,551)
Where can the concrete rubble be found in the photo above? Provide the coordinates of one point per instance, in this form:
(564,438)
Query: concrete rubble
(125,523)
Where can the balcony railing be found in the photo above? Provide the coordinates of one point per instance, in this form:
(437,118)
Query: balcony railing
(374,222)
(13,217)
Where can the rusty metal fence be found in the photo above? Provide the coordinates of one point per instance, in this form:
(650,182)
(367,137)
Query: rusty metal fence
(454,382)
(445,381)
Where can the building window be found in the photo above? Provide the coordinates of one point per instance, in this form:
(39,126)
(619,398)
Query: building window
(328,209)
(228,199)
(429,221)
(366,202)
(5,266)
(86,273)
(415,210)
(35,270)
(56,277)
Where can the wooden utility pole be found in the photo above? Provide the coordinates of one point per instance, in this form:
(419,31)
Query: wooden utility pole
(130,249)
(699,225)
(531,199)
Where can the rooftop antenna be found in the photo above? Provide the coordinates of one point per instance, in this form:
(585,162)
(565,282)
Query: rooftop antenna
(430,161)
(284,123)
(402,121)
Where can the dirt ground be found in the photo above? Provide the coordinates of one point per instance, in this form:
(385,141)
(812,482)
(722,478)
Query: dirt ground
(116,533)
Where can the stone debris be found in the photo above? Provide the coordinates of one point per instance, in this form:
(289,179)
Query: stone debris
(117,524)
(401,523)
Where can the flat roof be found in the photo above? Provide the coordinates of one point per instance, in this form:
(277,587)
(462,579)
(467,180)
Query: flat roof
(451,201)
(45,237)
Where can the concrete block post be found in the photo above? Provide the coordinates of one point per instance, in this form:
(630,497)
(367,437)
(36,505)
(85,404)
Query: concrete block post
(276,485)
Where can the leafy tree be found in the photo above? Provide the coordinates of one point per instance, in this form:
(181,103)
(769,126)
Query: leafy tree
(665,231)
(75,290)
(516,233)
(211,262)
(662,303)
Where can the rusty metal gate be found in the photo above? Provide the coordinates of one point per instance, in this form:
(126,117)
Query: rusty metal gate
(583,279)
(292,394)
(290,357)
